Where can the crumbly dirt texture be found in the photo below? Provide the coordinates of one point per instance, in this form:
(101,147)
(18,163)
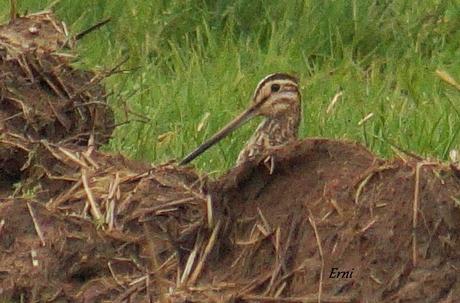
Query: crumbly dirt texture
(81,225)
(41,95)
(331,204)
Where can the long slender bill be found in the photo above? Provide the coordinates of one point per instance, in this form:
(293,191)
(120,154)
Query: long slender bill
(225,131)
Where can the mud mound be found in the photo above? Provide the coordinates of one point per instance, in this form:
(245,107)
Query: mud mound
(100,227)
(41,95)
(390,228)
(87,226)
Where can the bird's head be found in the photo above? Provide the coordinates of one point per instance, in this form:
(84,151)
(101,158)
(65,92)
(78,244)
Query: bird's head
(276,95)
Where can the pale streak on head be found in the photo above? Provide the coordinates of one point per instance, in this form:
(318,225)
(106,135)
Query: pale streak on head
(274,103)
(263,88)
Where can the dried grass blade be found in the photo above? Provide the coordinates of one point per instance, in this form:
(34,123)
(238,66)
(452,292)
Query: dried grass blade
(191,260)
(36,225)
(94,208)
(73,157)
(207,251)
(320,249)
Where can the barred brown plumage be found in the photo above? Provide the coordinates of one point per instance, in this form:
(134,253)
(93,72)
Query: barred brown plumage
(277,98)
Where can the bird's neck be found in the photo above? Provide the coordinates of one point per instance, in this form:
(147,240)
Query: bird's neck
(272,132)
(278,130)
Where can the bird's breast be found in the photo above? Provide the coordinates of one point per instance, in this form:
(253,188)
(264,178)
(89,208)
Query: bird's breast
(270,133)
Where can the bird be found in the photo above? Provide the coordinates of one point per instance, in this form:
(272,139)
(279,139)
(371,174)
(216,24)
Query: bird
(277,99)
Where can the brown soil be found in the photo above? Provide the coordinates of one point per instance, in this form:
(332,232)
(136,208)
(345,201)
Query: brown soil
(153,225)
(93,223)
(41,95)
(80,225)
(363,211)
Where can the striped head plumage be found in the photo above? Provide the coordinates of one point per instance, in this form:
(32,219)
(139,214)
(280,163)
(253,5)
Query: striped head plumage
(277,98)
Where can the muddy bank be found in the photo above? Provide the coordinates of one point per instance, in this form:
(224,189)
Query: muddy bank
(329,206)
(42,96)
(117,229)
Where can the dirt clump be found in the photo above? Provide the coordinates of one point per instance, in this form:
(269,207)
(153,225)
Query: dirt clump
(41,95)
(119,230)
(390,227)
(84,226)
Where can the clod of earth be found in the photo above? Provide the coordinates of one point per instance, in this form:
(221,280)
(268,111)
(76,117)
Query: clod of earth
(394,224)
(41,95)
(101,227)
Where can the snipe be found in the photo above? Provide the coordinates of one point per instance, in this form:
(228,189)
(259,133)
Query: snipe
(277,98)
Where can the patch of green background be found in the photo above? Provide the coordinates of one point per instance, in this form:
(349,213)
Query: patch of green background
(194,64)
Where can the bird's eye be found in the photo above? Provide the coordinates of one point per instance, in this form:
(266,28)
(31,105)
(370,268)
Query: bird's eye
(275,87)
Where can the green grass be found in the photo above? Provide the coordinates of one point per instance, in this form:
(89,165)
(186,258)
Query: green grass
(191,58)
